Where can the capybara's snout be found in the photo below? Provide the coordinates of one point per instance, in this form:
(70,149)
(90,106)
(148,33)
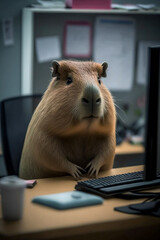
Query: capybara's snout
(91,101)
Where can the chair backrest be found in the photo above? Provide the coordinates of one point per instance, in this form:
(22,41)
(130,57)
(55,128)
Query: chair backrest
(15,114)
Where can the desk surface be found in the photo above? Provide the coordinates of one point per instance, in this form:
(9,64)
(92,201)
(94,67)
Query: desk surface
(127,148)
(94,222)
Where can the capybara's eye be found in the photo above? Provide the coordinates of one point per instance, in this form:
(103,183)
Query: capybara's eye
(69,80)
(99,80)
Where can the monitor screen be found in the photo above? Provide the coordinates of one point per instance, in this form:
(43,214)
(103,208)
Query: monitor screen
(152,144)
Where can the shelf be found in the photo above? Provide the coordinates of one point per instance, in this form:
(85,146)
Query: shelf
(92,11)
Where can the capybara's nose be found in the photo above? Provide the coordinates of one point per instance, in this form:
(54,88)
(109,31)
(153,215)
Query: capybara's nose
(91,98)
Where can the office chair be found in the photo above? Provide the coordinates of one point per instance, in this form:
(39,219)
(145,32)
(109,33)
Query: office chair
(15,116)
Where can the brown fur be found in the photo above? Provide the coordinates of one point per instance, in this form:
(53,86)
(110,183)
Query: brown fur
(61,138)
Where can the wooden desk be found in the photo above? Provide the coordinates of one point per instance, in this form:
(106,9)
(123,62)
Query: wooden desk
(91,223)
(127,148)
(128,155)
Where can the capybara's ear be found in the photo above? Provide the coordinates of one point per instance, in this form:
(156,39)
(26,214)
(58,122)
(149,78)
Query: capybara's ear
(55,66)
(105,66)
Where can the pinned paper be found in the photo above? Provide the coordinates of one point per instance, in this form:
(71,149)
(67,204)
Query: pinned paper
(114,43)
(48,48)
(77,40)
(7,25)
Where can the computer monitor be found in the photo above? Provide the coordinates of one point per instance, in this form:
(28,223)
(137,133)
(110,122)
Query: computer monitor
(152,144)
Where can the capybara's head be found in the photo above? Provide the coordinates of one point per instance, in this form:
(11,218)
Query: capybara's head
(77,101)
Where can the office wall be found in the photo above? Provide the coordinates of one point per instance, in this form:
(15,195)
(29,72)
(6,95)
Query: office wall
(10,56)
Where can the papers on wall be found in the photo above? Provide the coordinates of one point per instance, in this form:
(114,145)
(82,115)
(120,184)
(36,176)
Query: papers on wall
(48,48)
(7,26)
(114,43)
(77,40)
(142,62)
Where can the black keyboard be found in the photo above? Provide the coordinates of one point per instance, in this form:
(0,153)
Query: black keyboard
(113,180)
(115,184)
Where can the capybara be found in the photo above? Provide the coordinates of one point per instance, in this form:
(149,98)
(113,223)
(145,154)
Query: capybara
(72,130)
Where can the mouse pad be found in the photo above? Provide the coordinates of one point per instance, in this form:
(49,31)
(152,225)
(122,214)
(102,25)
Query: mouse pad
(67,200)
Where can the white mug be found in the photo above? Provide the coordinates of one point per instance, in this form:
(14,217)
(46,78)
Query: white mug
(12,197)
